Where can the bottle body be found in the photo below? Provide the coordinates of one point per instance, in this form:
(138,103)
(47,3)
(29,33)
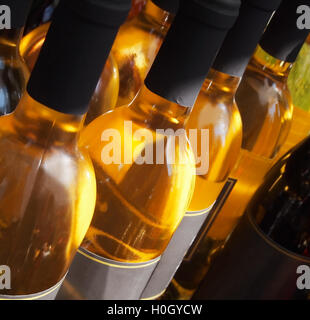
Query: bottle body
(216,111)
(106,93)
(156,206)
(39,238)
(215,132)
(136,46)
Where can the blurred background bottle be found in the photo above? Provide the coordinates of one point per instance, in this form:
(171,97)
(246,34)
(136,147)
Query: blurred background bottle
(269,251)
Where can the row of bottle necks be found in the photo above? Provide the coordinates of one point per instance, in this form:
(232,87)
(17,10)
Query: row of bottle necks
(220,197)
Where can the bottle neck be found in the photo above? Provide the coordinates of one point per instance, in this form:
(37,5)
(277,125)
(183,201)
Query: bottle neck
(221,82)
(9,42)
(67,84)
(158,112)
(271,65)
(157,15)
(45,126)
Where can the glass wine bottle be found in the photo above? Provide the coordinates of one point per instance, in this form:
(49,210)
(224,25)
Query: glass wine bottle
(48,187)
(141,199)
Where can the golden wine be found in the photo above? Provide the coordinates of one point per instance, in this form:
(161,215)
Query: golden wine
(47,198)
(216,111)
(137,44)
(48,186)
(149,199)
(14,73)
(144,166)
(106,92)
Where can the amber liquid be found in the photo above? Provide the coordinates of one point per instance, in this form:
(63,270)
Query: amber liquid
(215,110)
(47,195)
(14,73)
(106,93)
(136,46)
(139,206)
(265,106)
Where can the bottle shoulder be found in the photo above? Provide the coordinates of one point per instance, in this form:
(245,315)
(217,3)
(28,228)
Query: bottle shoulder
(266,110)
(46,160)
(220,115)
(121,140)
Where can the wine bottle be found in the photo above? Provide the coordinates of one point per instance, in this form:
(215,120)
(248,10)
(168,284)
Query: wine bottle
(265,106)
(106,93)
(269,251)
(216,111)
(142,200)
(13,71)
(48,186)
(137,44)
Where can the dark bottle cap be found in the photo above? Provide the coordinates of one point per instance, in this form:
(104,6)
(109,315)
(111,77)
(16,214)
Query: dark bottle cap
(244,36)
(171,6)
(282,38)
(74,53)
(19,11)
(189,49)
